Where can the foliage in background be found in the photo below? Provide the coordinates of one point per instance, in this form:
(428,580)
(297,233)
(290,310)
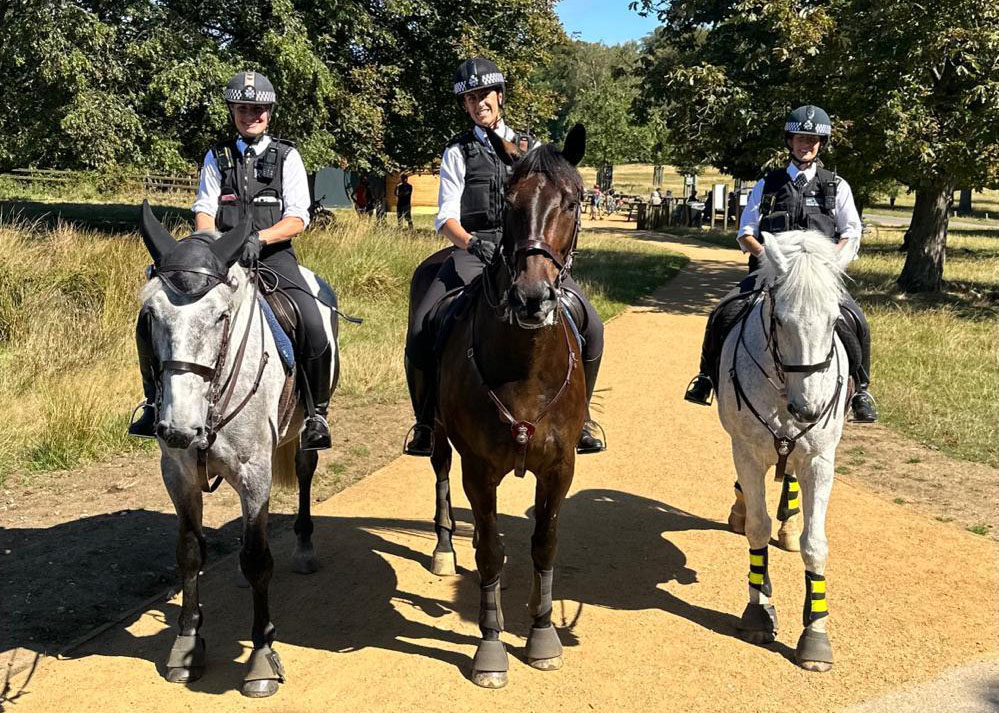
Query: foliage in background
(106,83)
(913,90)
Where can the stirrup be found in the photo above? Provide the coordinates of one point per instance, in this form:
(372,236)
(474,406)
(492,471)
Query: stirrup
(329,433)
(132,420)
(701,402)
(405,444)
(603,439)
(874,406)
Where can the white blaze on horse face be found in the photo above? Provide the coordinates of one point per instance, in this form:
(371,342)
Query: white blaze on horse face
(190,332)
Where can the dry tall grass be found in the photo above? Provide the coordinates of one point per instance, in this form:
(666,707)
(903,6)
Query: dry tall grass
(68,302)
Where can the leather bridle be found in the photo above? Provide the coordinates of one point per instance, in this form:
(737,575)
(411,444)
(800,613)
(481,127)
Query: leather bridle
(784,445)
(220,392)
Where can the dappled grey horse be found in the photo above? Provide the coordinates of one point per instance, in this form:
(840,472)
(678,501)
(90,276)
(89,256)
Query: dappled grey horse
(227,409)
(782,398)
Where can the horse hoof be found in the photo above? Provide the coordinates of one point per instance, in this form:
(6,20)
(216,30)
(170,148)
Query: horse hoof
(304,561)
(260,689)
(789,537)
(737,523)
(552,664)
(758,624)
(444,564)
(489,679)
(814,651)
(184,675)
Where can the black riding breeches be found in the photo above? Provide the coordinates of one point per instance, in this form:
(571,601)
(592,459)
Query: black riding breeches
(311,340)
(852,328)
(458,271)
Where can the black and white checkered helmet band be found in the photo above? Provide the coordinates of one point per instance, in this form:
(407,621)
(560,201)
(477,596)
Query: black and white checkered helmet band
(808,127)
(249,95)
(478,81)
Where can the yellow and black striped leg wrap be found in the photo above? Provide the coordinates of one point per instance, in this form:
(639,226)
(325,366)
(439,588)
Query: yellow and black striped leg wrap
(816,605)
(759,577)
(790,498)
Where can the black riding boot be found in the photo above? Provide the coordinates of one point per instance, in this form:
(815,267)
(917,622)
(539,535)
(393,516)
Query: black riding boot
(423,396)
(145,425)
(316,436)
(699,390)
(862,404)
(588,442)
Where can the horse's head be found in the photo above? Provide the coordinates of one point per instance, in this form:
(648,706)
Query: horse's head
(541,224)
(803,272)
(190,305)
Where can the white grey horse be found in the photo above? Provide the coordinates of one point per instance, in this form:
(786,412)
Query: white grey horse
(783,387)
(222,404)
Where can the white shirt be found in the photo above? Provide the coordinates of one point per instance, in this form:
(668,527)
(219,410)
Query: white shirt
(453,175)
(294,191)
(847,218)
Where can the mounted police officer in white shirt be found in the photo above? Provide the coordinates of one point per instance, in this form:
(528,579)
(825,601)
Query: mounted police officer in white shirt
(803,196)
(262,178)
(470,214)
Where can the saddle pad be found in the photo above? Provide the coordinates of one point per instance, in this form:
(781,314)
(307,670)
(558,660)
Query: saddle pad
(283,342)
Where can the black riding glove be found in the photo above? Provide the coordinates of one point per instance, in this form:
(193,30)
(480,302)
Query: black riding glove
(251,249)
(485,250)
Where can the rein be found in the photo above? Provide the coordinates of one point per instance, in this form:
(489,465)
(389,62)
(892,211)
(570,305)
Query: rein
(784,445)
(220,392)
(522,430)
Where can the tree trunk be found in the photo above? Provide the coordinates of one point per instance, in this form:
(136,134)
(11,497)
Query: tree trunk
(964,205)
(924,261)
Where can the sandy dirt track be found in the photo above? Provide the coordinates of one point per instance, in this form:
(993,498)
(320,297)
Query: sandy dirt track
(648,585)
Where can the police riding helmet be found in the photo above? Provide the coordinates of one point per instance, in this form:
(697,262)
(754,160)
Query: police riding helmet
(475,74)
(250,88)
(808,119)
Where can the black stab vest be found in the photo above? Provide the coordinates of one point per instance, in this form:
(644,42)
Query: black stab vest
(251,186)
(785,207)
(482,199)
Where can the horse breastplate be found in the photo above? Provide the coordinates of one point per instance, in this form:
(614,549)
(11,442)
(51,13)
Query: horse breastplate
(786,207)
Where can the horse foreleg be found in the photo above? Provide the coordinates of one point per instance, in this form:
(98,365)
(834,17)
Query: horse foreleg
(490,665)
(186,661)
(444,560)
(544,650)
(304,560)
(758,624)
(265,672)
(737,515)
(814,651)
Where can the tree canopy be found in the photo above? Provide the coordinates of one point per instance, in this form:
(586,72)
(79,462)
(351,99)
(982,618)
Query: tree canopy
(366,83)
(913,90)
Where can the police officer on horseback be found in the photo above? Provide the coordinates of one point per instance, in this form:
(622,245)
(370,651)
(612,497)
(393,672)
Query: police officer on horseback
(470,214)
(803,196)
(262,178)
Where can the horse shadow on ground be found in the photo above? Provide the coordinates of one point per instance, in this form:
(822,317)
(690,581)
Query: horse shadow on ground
(614,552)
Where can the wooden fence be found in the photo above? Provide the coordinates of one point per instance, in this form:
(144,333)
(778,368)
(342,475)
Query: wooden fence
(145,182)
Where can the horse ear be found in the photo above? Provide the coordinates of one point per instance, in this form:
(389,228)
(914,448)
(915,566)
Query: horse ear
(774,253)
(229,246)
(157,238)
(507,152)
(575,145)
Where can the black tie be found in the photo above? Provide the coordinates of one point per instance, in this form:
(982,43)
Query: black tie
(801,180)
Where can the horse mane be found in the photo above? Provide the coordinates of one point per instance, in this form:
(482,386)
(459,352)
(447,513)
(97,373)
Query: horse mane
(814,279)
(548,159)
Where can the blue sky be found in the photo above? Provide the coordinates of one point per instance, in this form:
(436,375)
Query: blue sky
(607,21)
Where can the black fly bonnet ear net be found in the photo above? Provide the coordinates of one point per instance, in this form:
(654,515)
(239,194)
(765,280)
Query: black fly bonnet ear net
(191,268)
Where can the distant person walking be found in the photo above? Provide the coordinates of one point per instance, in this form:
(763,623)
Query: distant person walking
(656,198)
(404,201)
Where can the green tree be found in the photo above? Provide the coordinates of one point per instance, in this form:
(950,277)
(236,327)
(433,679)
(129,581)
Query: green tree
(913,90)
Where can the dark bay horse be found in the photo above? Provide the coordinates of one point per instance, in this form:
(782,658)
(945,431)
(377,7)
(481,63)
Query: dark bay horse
(511,393)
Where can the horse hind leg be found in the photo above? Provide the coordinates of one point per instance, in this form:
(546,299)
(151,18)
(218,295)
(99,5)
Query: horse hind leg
(304,560)
(444,562)
(789,515)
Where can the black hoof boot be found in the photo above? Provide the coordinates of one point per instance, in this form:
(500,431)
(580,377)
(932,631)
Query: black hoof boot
(422,442)
(699,390)
(316,436)
(588,441)
(863,407)
(145,425)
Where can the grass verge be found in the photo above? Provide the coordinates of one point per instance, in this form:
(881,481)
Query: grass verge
(68,301)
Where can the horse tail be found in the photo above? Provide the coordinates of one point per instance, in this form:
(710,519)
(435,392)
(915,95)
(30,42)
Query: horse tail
(283,471)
